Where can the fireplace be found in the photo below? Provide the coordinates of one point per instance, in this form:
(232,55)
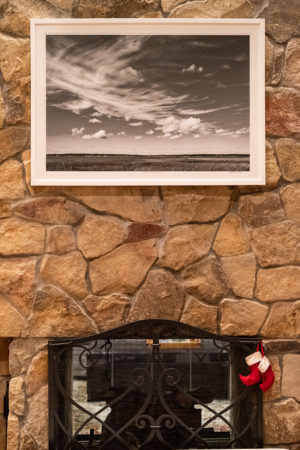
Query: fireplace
(152,384)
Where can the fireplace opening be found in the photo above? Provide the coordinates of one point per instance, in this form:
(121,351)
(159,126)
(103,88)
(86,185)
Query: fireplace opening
(153,384)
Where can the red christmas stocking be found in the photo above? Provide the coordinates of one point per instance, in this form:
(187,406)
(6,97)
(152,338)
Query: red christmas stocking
(255,375)
(267,374)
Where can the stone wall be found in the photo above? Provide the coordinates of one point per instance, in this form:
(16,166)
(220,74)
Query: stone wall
(75,261)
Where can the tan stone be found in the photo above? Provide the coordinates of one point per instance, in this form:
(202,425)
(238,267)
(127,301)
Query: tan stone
(66,271)
(17,238)
(11,322)
(50,210)
(139,231)
(63,4)
(195,204)
(280,283)
(2,432)
(161,297)
(261,209)
(185,244)
(11,180)
(17,281)
(3,391)
(4,370)
(98,235)
(272,173)
(288,153)
(123,269)
(1,117)
(37,375)
(152,14)
(140,204)
(14,57)
(108,311)
(274,393)
(282,111)
(36,424)
(214,8)
(269,52)
(231,238)
(205,280)
(17,396)
(113,8)
(16,15)
(21,353)
(56,315)
(291,201)
(27,442)
(283,320)
(60,239)
(240,271)
(242,317)
(281,422)
(291,376)
(282,22)
(278,62)
(34,190)
(5,209)
(13,432)
(168,5)
(17,101)
(200,315)
(291,75)
(12,140)
(276,244)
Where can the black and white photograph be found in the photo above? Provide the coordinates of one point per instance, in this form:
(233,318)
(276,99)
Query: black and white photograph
(148,103)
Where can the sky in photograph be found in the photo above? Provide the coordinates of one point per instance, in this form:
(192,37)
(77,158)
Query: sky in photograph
(148,94)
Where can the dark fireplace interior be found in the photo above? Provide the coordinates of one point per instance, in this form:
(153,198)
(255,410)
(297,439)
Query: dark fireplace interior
(153,384)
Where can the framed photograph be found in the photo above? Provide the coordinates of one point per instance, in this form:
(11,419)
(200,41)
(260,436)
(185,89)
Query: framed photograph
(147,101)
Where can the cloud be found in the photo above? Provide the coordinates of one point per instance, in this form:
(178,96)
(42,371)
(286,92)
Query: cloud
(173,126)
(244,130)
(121,133)
(96,114)
(198,112)
(150,132)
(94,120)
(242,57)
(193,68)
(101,134)
(226,67)
(77,131)
(138,137)
(136,124)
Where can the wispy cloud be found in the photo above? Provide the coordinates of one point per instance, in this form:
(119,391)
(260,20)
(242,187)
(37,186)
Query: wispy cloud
(101,134)
(77,131)
(193,68)
(136,124)
(95,120)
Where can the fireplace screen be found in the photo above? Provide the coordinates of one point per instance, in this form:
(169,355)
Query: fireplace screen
(151,385)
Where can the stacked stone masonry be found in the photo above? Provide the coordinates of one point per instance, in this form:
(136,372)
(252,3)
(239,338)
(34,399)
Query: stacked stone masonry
(75,261)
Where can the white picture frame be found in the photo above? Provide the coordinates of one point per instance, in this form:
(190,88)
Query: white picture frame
(68,32)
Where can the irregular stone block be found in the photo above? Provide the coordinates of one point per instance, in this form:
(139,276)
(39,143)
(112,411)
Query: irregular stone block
(291,376)
(13,432)
(258,210)
(205,280)
(12,141)
(16,15)
(108,311)
(291,76)
(276,244)
(14,57)
(36,423)
(140,204)
(11,180)
(17,238)
(161,297)
(123,269)
(62,4)
(195,204)
(56,315)
(269,52)
(281,422)
(11,322)
(214,8)
(291,201)
(37,375)
(281,346)
(240,271)
(283,320)
(274,393)
(18,282)
(50,210)
(288,153)
(17,396)
(140,231)
(185,244)
(60,240)
(278,62)
(5,209)
(282,111)
(200,315)
(113,8)
(2,113)
(231,238)
(242,317)
(4,371)
(34,190)
(17,101)
(21,353)
(280,283)
(282,22)
(98,235)
(67,271)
